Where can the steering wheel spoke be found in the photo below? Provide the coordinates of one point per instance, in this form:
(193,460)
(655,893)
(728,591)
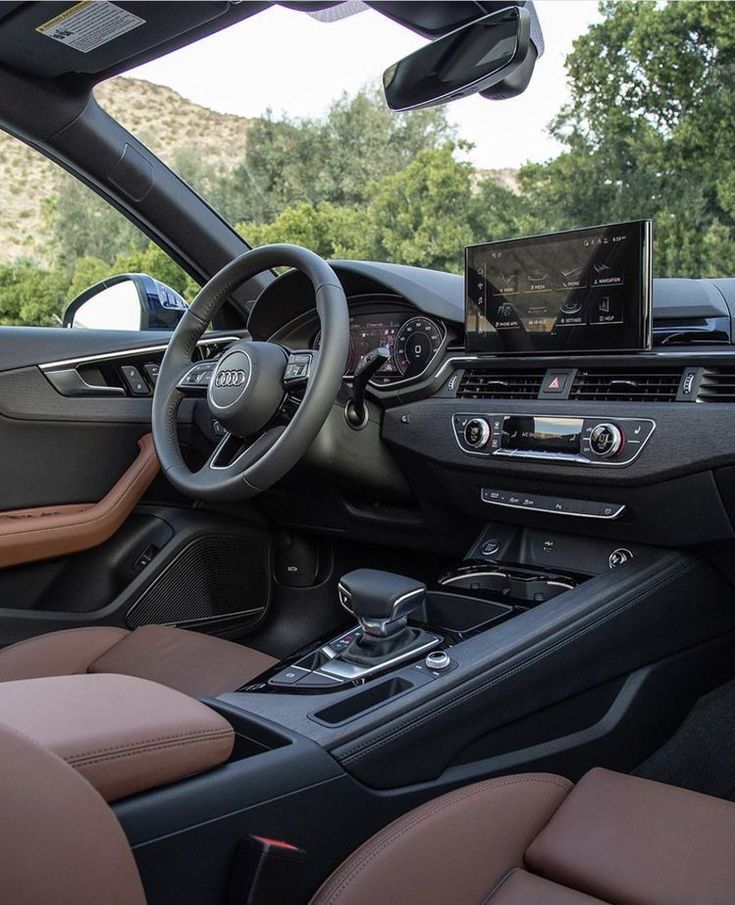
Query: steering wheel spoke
(233,455)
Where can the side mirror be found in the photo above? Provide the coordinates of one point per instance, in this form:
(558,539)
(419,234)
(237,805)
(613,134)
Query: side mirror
(128,301)
(474,58)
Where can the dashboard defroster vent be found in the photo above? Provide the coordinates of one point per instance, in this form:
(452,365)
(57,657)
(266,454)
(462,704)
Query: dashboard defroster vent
(481,384)
(717,385)
(600,385)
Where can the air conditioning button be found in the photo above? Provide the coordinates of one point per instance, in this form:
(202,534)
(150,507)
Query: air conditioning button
(606,440)
(477,433)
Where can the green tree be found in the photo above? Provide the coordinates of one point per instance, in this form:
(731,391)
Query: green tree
(421,215)
(154,261)
(31,295)
(648,132)
(290,161)
(84,224)
(330,231)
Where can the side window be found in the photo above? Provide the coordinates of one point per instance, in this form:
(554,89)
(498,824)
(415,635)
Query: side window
(57,238)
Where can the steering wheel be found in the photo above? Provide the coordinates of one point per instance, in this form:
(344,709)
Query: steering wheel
(254,390)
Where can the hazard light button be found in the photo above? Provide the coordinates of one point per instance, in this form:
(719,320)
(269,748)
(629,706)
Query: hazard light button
(556,383)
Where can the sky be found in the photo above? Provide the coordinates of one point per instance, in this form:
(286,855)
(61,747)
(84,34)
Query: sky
(293,64)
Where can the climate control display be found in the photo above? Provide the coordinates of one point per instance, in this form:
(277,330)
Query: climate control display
(556,439)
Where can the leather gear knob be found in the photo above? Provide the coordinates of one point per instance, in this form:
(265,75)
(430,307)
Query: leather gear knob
(382,601)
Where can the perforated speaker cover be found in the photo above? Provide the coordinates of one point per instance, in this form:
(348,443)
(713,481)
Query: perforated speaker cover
(213,578)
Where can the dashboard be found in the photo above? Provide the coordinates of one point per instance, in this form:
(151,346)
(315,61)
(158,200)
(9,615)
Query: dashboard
(634,445)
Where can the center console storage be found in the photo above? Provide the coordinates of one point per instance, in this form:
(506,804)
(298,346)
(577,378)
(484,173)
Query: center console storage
(601,670)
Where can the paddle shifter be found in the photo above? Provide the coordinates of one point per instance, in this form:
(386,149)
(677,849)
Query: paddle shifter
(382,603)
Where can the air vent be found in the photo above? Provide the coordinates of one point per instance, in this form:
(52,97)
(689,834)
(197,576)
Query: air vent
(659,385)
(717,385)
(695,332)
(477,384)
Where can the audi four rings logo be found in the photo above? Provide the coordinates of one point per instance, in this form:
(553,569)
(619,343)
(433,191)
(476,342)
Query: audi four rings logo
(230,378)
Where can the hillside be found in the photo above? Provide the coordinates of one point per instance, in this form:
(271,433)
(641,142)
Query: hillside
(161,118)
(185,135)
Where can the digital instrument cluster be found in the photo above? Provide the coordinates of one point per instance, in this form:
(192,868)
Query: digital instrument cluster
(412,340)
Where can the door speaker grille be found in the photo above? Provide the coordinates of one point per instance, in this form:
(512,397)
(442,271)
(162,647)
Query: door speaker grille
(220,579)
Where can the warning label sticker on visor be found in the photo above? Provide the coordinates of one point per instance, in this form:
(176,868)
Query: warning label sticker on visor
(87,26)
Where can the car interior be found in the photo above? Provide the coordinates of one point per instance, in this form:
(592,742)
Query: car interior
(354,581)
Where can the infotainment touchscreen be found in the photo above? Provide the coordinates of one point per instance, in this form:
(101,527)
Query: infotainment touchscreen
(586,290)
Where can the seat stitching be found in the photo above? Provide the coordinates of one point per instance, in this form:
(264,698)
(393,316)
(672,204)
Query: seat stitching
(143,743)
(411,823)
(356,752)
(93,761)
(501,882)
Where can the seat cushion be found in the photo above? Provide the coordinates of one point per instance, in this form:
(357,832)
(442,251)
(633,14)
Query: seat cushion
(61,653)
(455,849)
(196,664)
(521,888)
(528,840)
(199,665)
(626,839)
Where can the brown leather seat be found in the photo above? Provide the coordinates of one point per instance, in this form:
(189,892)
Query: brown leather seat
(196,664)
(520,840)
(534,840)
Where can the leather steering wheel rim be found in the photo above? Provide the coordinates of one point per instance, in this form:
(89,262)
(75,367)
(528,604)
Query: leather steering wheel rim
(271,455)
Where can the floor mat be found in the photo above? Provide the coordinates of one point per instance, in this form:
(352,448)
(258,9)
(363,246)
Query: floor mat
(701,753)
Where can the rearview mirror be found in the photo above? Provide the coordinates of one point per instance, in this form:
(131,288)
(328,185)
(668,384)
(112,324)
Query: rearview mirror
(128,301)
(473,58)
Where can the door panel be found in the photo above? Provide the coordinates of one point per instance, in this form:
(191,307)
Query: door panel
(168,562)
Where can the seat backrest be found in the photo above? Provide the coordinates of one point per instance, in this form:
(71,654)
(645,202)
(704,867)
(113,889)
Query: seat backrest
(61,842)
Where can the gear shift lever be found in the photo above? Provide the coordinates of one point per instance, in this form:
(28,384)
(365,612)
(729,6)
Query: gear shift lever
(381,601)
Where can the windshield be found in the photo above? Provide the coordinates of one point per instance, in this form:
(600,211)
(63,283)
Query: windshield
(280,124)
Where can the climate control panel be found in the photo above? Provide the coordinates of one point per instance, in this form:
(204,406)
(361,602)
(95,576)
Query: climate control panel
(558,439)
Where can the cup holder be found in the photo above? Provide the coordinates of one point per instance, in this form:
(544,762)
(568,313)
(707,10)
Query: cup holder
(515,584)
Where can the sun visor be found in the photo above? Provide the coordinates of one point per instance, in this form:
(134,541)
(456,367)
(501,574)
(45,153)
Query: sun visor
(55,39)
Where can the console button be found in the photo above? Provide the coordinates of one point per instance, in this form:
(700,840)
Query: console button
(499,497)
(606,440)
(490,548)
(576,507)
(558,504)
(289,676)
(438,659)
(619,557)
(605,510)
(477,433)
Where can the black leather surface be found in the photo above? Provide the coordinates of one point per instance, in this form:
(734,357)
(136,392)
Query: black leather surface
(373,592)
